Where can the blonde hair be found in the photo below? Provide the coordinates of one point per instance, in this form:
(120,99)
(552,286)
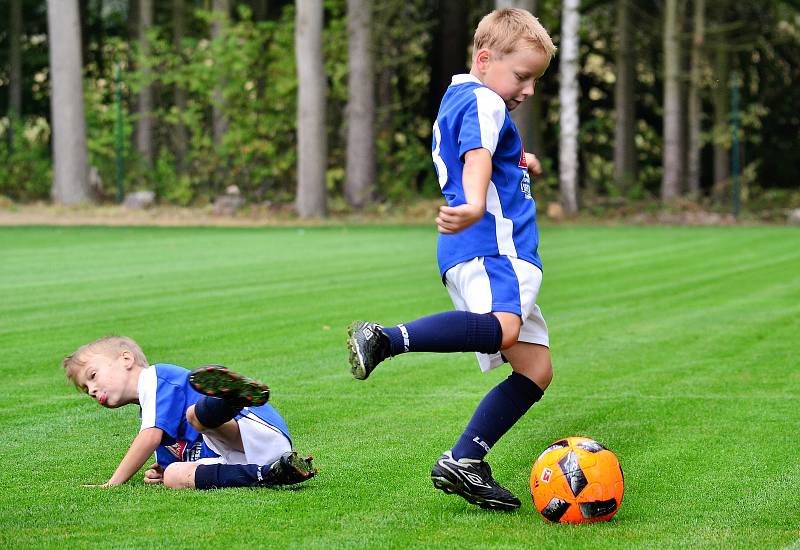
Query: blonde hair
(109,346)
(504,30)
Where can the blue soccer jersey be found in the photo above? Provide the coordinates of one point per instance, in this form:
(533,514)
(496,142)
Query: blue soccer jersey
(164,397)
(471,116)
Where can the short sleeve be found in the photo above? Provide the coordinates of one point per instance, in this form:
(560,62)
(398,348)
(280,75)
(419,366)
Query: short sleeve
(163,403)
(482,122)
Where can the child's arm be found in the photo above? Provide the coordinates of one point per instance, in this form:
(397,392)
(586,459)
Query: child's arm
(144,445)
(475,179)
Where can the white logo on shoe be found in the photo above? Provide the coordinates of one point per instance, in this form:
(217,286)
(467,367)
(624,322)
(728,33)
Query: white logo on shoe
(475,479)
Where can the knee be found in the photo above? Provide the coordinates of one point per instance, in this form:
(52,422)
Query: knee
(510,325)
(180,475)
(545,376)
(191,418)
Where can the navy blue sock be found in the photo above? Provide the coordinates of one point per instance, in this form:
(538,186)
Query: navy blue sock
(447,332)
(213,412)
(218,476)
(506,403)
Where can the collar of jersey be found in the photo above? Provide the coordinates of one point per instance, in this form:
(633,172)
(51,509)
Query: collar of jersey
(465,78)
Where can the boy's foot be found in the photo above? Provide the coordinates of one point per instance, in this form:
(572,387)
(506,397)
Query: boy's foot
(238,390)
(368,347)
(289,469)
(472,479)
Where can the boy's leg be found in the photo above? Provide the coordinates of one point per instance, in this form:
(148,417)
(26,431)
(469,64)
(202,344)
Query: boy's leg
(478,287)
(447,332)
(507,402)
(288,469)
(462,470)
(228,432)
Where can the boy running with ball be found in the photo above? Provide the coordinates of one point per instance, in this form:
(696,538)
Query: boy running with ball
(487,251)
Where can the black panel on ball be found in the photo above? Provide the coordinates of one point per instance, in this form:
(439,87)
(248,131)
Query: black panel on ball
(572,471)
(555,509)
(597,508)
(591,446)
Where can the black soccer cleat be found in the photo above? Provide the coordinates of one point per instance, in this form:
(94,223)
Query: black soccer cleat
(289,469)
(472,480)
(368,347)
(238,390)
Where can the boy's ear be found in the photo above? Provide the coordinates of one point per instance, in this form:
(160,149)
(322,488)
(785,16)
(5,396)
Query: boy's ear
(128,359)
(482,59)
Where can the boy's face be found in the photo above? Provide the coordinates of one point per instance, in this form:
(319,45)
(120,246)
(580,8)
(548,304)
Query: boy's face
(110,382)
(512,76)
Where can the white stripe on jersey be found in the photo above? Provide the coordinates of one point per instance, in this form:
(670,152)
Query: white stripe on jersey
(491,116)
(147,396)
(503,227)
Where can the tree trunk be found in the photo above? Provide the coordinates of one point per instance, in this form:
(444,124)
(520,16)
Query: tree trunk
(360,107)
(70,164)
(624,105)
(672,157)
(527,116)
(451,40)
(721,99)
(181,137)
(568,95)
(144,123)
(260,9)
(222,10)
(695,105)
(312,148)
(14,67)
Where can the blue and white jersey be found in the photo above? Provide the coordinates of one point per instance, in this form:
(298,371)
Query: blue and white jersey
(164,397)
(471,116)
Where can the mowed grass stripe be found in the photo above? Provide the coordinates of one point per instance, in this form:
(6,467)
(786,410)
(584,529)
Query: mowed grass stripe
(675,346)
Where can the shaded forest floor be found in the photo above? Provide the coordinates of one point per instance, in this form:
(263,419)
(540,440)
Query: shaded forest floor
(417,212)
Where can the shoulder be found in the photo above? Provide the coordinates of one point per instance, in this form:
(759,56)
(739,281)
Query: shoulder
(477,92)
(170,373)
(489,101)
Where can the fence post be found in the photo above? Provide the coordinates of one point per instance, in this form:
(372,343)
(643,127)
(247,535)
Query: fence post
(736,82)
(120,137)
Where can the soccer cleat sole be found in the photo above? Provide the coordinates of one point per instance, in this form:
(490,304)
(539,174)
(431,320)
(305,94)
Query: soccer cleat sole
(357,367)
(217,381)
(300,467)
(450,488)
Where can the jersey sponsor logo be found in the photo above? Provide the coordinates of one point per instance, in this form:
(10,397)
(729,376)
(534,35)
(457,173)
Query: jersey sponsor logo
(193,452)
(525,185)
(547,473)
(183,452)
(177,448)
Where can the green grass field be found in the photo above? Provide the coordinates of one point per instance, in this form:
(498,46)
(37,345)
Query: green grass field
(676,347)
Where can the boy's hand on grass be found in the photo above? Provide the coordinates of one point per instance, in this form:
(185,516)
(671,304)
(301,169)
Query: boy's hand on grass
(154,475)
(534,166)
(452,219)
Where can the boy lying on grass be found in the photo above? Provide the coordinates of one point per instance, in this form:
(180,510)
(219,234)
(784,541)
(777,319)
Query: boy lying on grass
(209,428)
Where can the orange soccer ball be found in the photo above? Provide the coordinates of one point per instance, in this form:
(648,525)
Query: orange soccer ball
(577,480)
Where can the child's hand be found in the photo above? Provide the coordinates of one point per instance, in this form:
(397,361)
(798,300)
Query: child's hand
(154,475)
(534,166)
(452,219)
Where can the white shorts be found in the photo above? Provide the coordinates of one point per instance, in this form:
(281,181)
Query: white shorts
(262,442)
(500,283)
